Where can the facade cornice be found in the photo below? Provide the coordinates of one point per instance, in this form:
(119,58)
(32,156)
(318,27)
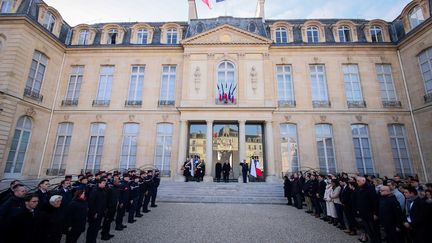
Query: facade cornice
(328,46)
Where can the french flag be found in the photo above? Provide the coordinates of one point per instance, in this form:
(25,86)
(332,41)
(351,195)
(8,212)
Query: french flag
(255,171)
(209,3)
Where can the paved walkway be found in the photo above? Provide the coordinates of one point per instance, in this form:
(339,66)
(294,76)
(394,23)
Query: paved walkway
(196,222)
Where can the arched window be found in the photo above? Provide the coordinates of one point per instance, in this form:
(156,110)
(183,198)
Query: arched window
(17,152)
(289,147)
(6,6)
(83,37)
(226,83)
(344,34)
(61,149)
(325,147)
(312,34)
(200,27)
(252,27)
(49,21)
(281,35)
(95,147)
(362,149)
(142,36)
(416,17)
(162,159)
(112,36)
(172,36)
(376,34)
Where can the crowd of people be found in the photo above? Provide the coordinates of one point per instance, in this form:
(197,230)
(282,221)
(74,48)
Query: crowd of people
(393,210)
(44,216)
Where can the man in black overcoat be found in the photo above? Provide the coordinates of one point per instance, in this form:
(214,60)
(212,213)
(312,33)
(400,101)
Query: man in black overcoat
(218,171)
(226,168)
(97,203)
(390,215)
(245,170)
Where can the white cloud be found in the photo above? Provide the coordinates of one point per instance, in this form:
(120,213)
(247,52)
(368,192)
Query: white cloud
(94,11)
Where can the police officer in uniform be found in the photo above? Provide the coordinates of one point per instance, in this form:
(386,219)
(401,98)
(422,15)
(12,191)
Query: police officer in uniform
(156,183)
(123,200)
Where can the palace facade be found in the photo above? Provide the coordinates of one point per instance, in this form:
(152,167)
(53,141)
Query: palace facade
(331,95)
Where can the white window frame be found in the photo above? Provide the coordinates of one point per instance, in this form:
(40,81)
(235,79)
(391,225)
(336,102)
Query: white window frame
(97,132)
(75,81)
(287,82)
(288,131)
(376,33)
(83,37)
(128,155)
(142,36)
(6,6)
(172,36)
(226,69)
(322,90)
(26,126)
(161,140)
(137,77)
(281,35)
(352,78)
(106,78)
(169,75)
(62,145)
(112,33)
(315,35)
(49,21)
(322,137)
(400,141)
(428,64)
(40,60)
(360,138)
(342,31)
(387,87)
(415,17)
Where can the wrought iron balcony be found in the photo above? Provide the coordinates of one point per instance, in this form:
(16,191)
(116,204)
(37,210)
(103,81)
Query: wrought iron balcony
(428,97)
(286,103)
(133,103)
(101,102)
(321,104)
(392,104)
(166,102)
(28,92)
(356,104)
(70,102)
(55,172)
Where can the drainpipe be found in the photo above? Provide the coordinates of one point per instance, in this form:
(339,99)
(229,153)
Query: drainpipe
(51,116)
(412,117)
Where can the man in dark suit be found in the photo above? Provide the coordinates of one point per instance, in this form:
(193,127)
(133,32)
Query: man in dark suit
(4,196)
(390,215)
(97,204)
(226,171)
(345,197)
(416,220)
(245,170)
(218,171)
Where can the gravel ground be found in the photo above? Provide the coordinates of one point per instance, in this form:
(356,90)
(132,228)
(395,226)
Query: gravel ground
(196,222)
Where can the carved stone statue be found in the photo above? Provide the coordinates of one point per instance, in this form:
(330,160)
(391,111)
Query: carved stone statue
(197,79)
(254,79)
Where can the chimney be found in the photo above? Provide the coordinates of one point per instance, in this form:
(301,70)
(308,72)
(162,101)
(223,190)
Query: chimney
(192,10)
(260,9)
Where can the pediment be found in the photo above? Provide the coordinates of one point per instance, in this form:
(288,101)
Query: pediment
(226,35)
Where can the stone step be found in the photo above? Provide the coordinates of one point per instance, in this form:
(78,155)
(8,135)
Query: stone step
(235,193)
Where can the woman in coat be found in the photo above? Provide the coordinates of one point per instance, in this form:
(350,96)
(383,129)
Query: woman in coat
(331,211)
(76,216)
(338,204)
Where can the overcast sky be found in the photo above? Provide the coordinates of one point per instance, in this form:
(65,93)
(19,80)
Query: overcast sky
(77,12)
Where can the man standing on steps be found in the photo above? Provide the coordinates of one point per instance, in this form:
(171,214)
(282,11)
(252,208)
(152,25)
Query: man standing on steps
(245,169)
(226,171)
(218,171)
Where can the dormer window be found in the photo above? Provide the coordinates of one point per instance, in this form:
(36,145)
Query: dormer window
(49,21)
(112,36)
(312,34)
(281,35)
(83,37)
(6,6)
(172,36)
(376,34)
(252,27)
(344,34)
(200,27)
(142,36)
(416,17)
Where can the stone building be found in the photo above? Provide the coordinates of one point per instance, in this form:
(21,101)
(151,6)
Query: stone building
(332,95)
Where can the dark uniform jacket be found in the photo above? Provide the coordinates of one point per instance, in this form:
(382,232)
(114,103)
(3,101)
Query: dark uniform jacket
(76,215)
(365,202)
(296,186)
(418,212)
(97,202)
(123,190)
(44,198)
(390,212)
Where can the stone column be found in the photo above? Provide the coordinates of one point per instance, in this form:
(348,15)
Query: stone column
(242,144)
(209,152)
(271,173)
(181,150)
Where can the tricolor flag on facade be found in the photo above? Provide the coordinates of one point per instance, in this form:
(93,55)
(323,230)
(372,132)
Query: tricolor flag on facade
(209,3)
(192,167)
